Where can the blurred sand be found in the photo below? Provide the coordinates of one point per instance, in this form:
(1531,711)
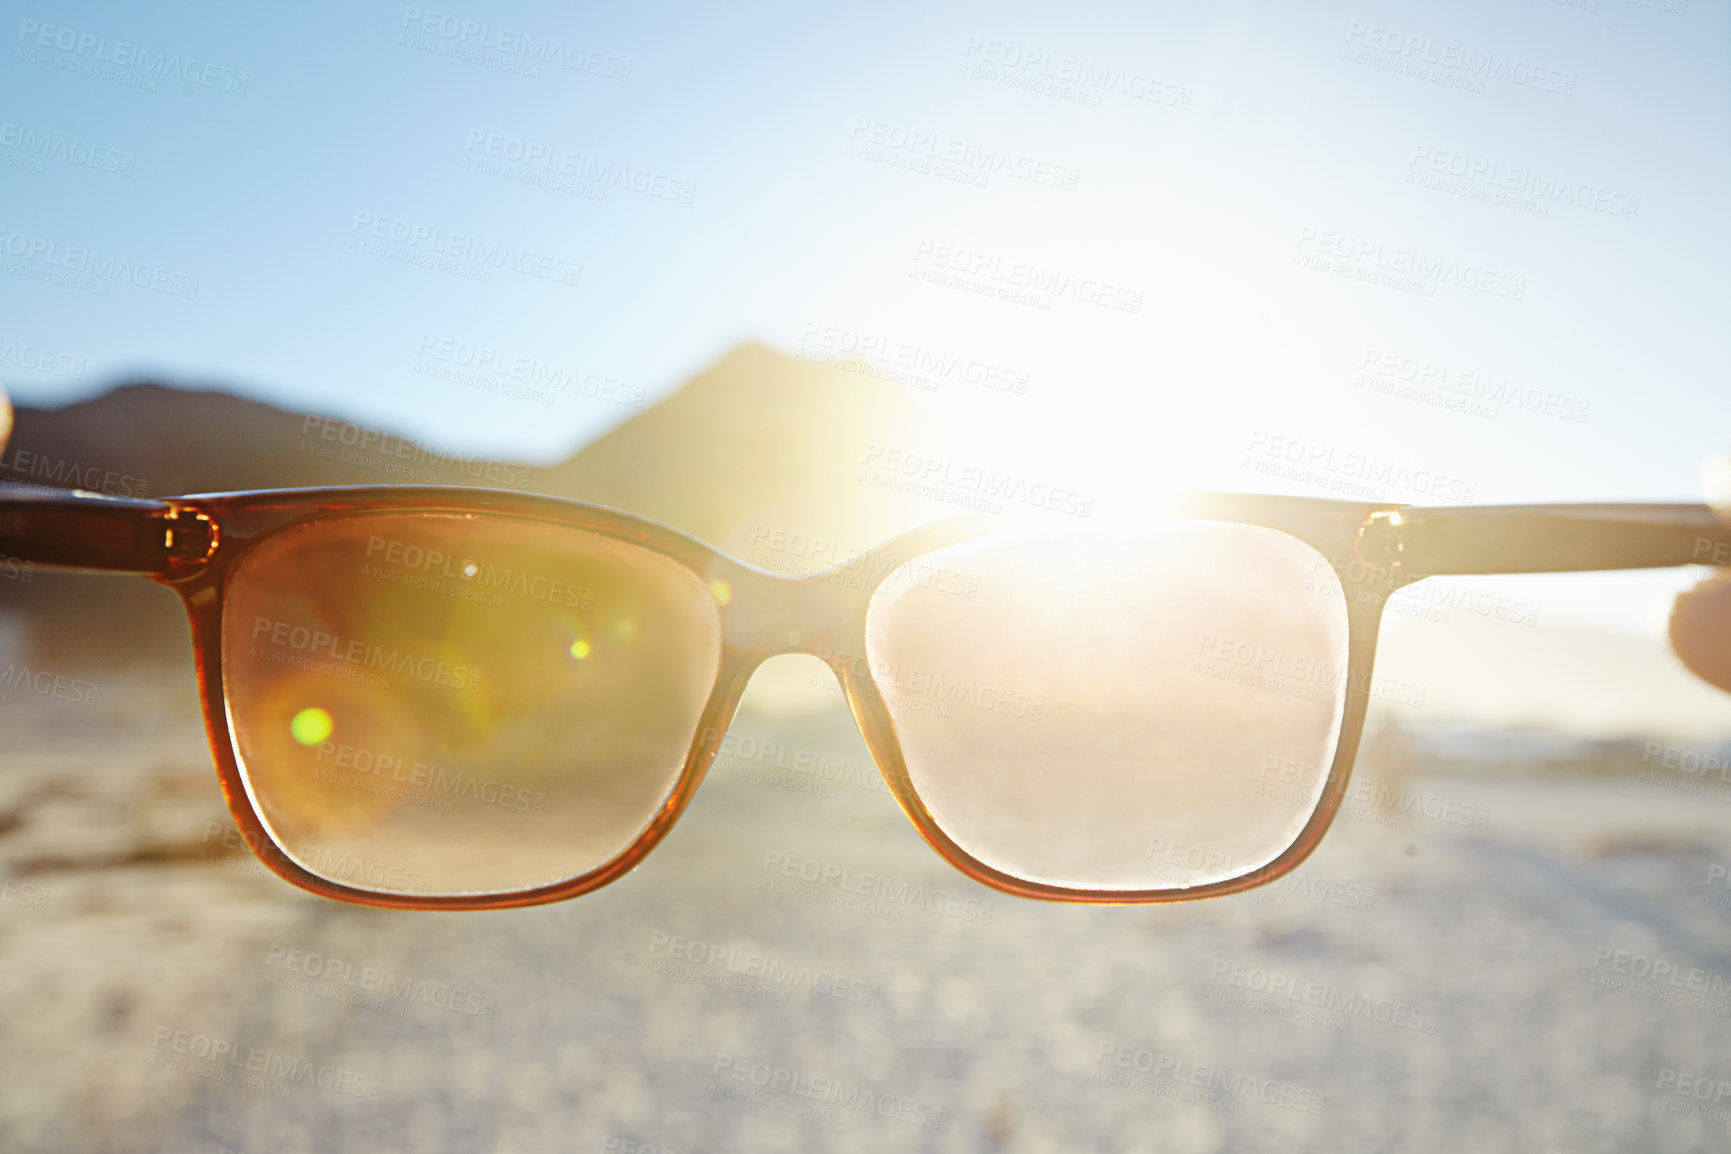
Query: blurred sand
(585,1030)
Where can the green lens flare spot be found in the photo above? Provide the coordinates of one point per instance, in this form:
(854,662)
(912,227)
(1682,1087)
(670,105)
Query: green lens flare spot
(721,591)
(580,649)
(311,726)
(624,629)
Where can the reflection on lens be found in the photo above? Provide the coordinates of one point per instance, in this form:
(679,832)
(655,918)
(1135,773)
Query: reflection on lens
(1118,712)
(430,703)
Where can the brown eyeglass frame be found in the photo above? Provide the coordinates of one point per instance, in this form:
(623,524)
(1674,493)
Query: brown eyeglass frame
(192,545)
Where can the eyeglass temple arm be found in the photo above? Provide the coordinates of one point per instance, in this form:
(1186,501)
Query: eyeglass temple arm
(1544,538)
(80,530)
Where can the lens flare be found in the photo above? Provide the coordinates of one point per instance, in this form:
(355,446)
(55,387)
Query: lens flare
(721,590)
(311,726)
(541,738)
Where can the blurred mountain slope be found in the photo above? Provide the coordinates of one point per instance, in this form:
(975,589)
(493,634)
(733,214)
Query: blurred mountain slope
(759,442)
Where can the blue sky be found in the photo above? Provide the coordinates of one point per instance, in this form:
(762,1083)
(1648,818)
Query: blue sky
(1195,154)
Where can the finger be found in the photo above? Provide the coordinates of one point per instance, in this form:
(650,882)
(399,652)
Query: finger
(1701,631)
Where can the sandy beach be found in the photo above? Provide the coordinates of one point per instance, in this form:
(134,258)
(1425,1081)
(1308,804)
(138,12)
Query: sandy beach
(1544,983)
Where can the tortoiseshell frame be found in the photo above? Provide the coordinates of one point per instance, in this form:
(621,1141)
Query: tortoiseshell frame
(192,545)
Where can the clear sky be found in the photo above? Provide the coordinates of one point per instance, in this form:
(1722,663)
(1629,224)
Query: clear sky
(1465,251)
(1256,125)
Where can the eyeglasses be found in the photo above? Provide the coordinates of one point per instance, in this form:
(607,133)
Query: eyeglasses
(442,698)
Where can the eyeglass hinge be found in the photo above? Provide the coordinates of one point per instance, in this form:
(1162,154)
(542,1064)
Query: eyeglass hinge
(1379,542)
(189,535)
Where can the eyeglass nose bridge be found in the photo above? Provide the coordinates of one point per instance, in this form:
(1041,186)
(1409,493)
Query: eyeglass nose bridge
(822,614)
(769,614)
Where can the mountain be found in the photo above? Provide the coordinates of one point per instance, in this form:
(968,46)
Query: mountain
(756,444)
(758,440)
